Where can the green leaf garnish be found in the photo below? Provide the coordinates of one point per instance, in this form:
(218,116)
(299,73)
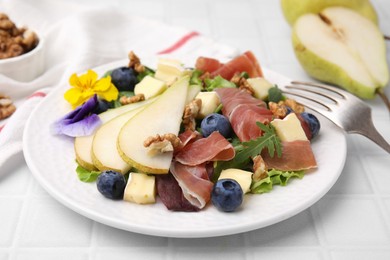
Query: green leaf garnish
(268,140)
(247,150)
(85,175)
(195,78)
(218,82)
(275,94)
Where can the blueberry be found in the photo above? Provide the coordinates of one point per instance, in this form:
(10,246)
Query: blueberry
(313,122)
(111,184)
(216,122)
(101,106)
(227,195)
(124,78)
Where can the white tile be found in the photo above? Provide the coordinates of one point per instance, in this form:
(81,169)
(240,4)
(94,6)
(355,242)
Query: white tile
(14,176)
(50,254)
(296,231)
(356,254)
(246,43)
(10,209)
(267,10)
(353,179)
(194,24)
(130,253)
(300,253)
(186,9)
(232,10)
(153,9)
(49,223)
(351,221)
(221,252)
(236,28)
(369,147)
(111,237)
(378,169)
(386,202)
(233,241)
(280,51)
(3,255)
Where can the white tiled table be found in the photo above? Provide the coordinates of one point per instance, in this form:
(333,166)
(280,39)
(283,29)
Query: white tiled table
(351,222)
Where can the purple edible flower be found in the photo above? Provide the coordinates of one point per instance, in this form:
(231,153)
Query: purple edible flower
(80,122)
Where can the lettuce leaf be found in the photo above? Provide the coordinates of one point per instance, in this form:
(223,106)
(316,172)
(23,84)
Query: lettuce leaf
(275,177)
(218,82)
(85,175)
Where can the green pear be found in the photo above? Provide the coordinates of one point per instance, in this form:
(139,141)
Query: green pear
(342,47)
(83,144)
(293,9)
(161,117)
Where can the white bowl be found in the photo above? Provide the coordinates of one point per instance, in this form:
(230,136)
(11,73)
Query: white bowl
(25,67)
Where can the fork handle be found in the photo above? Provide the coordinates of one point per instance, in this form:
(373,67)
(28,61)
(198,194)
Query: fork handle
(371,133)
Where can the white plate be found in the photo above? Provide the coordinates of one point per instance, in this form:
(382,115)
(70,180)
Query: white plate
(52,161)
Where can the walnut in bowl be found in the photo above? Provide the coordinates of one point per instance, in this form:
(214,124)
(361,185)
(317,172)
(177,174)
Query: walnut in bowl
(21,51)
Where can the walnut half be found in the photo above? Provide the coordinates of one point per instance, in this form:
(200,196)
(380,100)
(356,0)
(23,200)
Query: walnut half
(162,143)
(7,108)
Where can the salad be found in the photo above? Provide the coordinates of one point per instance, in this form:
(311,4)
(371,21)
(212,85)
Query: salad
(191,137)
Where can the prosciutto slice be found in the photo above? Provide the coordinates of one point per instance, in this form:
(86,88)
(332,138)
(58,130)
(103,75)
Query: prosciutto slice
(243,112)
(188,136)
(296,156)
(233,97)
(245,62)
(194,183)
(213,148)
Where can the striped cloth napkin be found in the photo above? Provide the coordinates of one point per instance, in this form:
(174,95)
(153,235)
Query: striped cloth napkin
(79,37)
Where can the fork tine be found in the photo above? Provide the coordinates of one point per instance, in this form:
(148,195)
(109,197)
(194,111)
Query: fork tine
(308,98)
(346,110)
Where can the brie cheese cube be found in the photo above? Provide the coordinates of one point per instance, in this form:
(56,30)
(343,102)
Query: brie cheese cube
(210,102)
(244,178)
(140,188)
(150,87)
(289,128)
(169,70)
(260,87)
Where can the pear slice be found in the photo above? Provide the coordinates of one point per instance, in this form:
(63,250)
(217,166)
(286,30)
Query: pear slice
(341,47)
(160,117)
(105,155)
(293,9)
(83,144)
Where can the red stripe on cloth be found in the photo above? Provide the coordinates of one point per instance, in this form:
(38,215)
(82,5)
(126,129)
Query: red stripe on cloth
(37,94)
(179,43)
(1,127)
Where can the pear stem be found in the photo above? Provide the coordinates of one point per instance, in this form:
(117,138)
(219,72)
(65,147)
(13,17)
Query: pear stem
(385,99)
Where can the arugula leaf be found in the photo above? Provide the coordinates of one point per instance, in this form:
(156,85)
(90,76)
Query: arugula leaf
(275,177)
(247,150)
(85,175)
(268,140)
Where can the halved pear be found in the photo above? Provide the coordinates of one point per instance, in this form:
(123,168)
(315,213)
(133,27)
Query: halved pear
(105,155)
(83,144)
(160,117)
(341,47)
(293,9)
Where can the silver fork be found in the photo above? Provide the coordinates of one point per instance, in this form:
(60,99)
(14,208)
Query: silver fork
(342,108)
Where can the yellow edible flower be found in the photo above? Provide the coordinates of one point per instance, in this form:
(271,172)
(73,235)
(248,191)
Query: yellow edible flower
(88,84)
